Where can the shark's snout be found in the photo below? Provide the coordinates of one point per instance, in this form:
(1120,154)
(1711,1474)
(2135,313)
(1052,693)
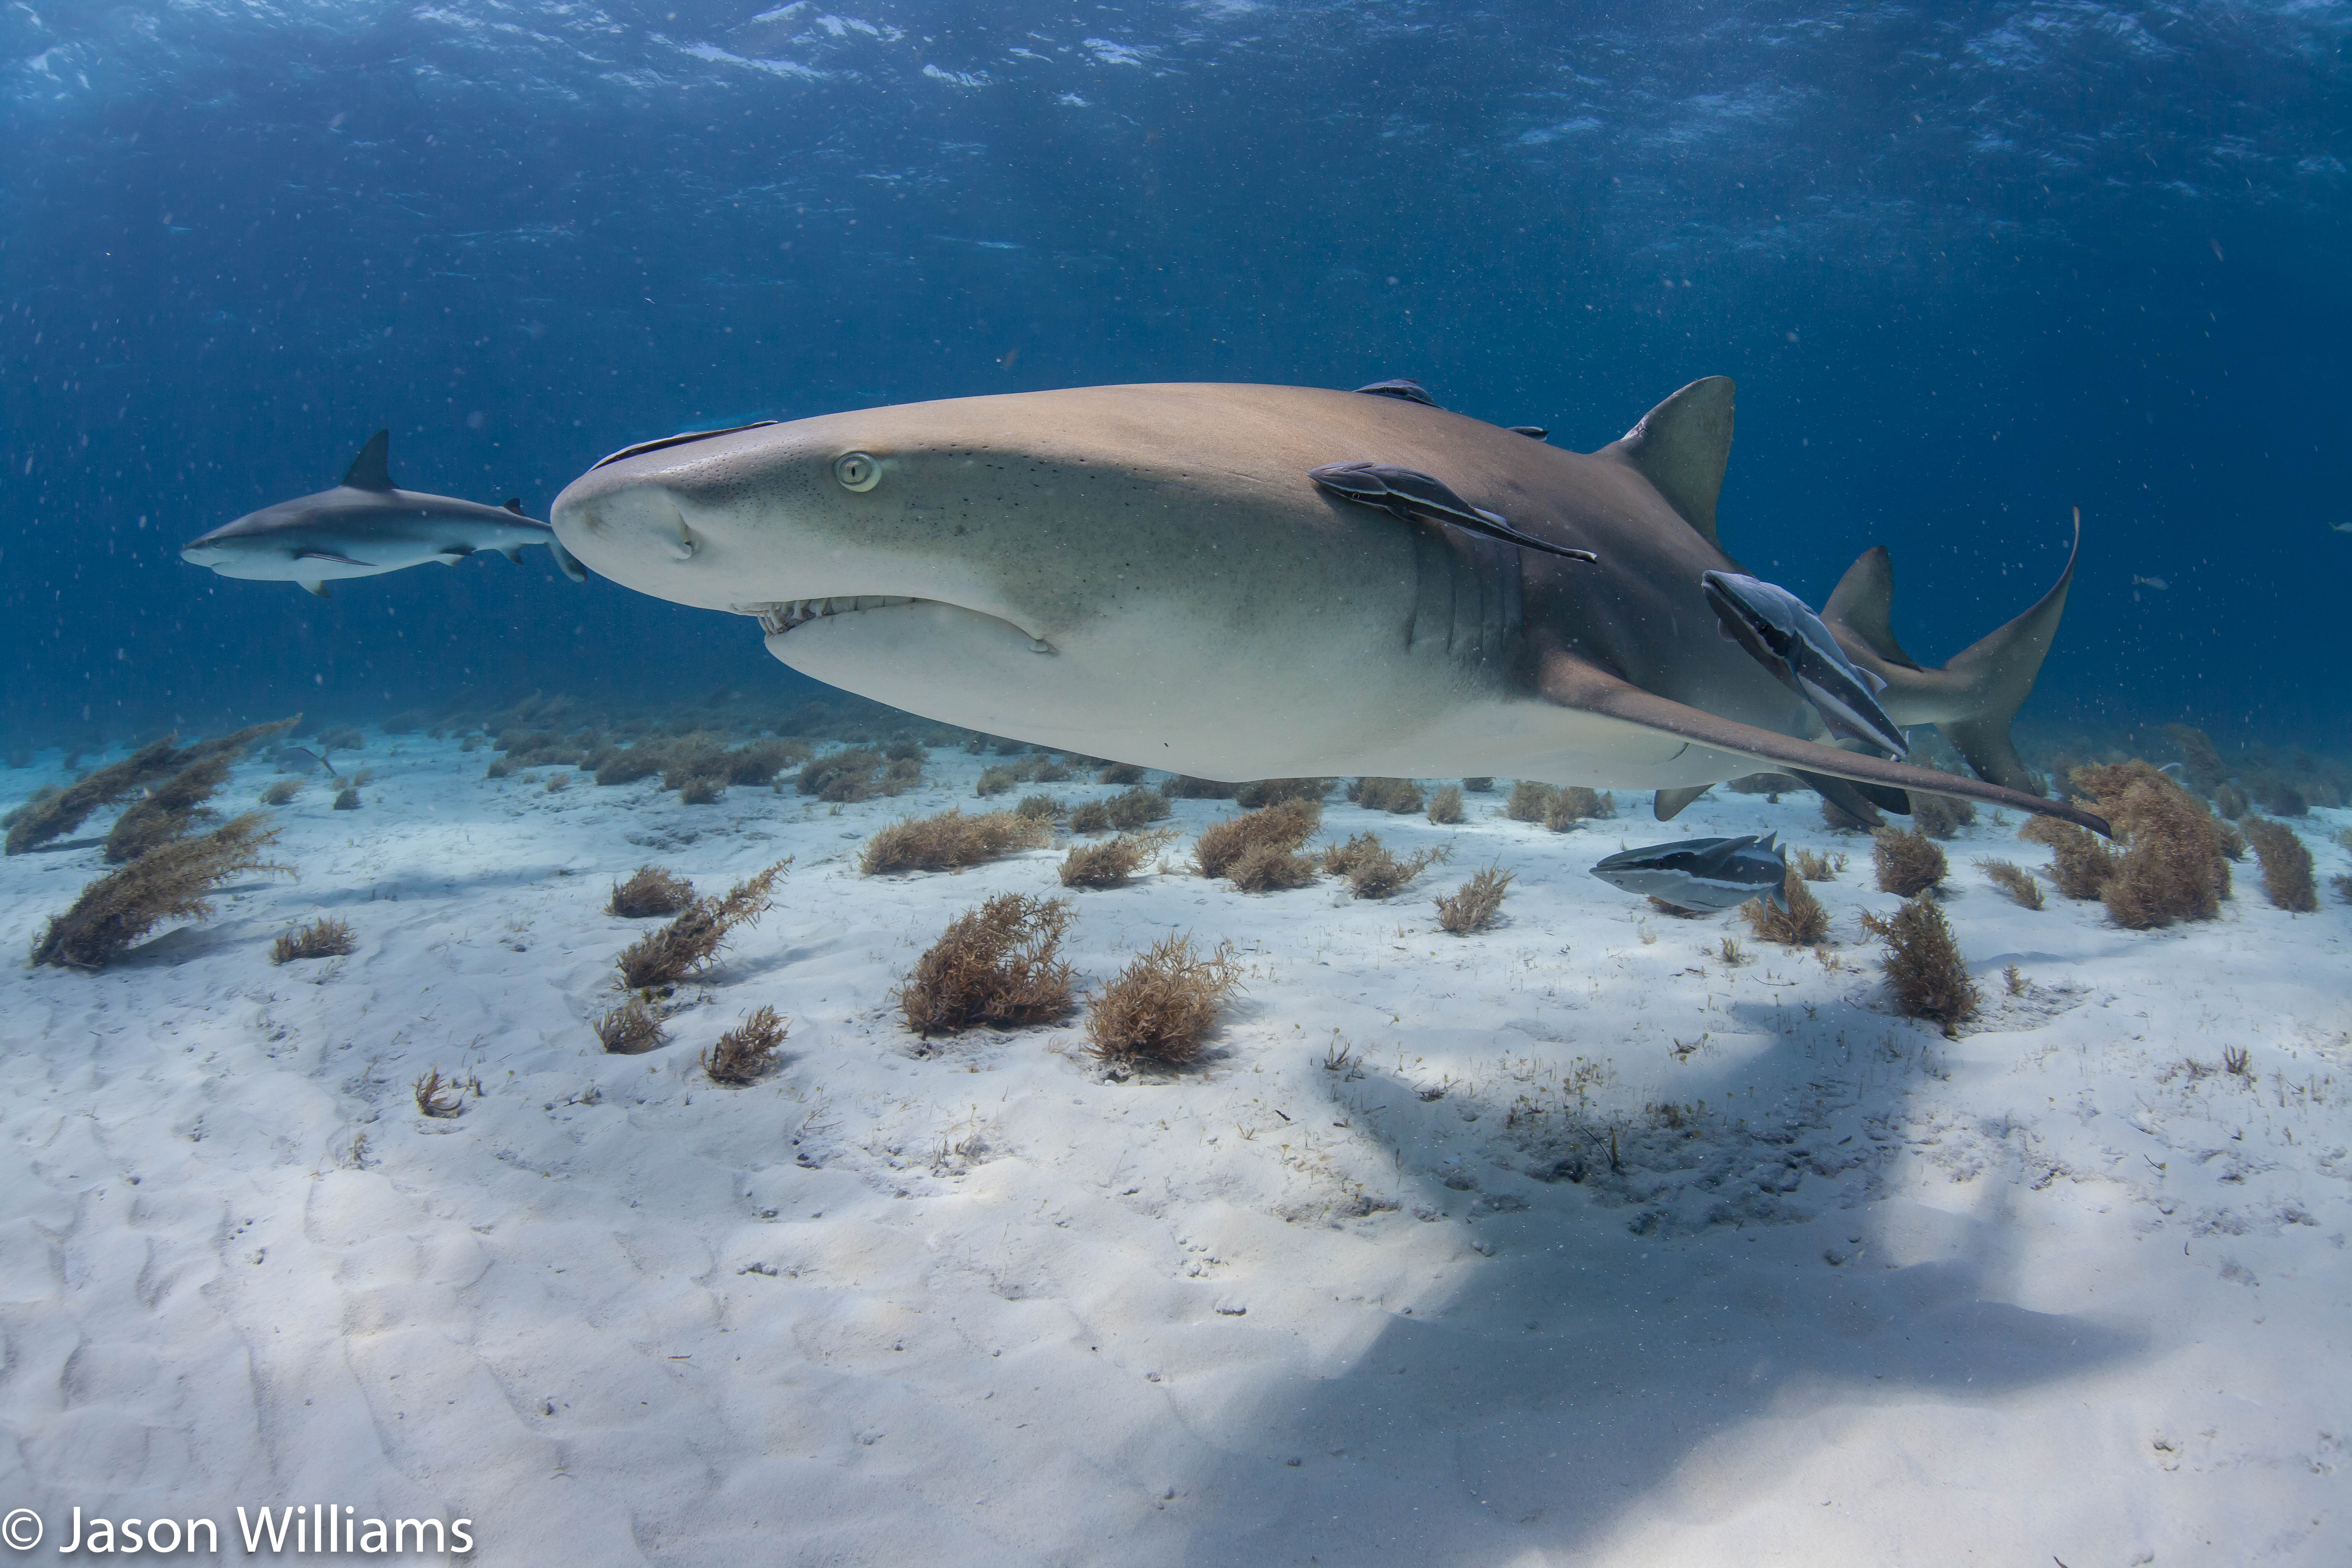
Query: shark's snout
(638,536)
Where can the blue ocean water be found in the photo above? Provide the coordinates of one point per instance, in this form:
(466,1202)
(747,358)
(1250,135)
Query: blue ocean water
(1972,265)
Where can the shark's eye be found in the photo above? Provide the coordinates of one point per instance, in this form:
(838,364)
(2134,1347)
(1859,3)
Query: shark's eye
(858,471)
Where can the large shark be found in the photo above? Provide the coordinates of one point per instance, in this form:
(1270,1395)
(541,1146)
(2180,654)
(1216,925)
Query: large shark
(1157,575)
(365,526)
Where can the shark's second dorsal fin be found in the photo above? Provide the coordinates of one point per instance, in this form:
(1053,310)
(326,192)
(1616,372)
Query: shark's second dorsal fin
(1863,604)
(371,469)
(1682,448)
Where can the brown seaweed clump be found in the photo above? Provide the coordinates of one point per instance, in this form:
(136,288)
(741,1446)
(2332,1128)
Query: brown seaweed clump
(747,1052)
(2286,865)
(1112,863)
(1445,806)
(1815,867)
(1119,773)
(691,942)
(1558,807)
(2015,880)
(1475,905)
(2080,865)
(168,811)
(951,841)
(1373,871)
(1528,801)
(1183,786)
(2174,865)
(1908,864)
(1257,850)
(1802,924)
(1126,811)
(171,881)
(650,890)
(1395,796)
(1940,815)
(999,964)
(44,819)
(1923,963)
(326,937)
(281,792)
(1159,1011)
(857,772)
(641,761)
(2199,758)
(630,1029)
(1274,792)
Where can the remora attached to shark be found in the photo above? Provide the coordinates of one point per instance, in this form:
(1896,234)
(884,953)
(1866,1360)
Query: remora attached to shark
(365,526)
(1152,573)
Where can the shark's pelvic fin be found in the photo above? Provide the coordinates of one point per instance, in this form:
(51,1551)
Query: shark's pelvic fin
(318,588)
(371,469)
(1682,446)
(1574,682)
(514,553)
(1670,802)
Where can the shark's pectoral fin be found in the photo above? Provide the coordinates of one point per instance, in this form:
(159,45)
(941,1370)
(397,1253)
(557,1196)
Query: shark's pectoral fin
(1670,802)
(1860,802)
(317,587)
(327,556)
(567,563)
(1573,682)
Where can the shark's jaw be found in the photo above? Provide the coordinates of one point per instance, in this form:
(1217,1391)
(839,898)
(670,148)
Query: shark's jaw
(779,617)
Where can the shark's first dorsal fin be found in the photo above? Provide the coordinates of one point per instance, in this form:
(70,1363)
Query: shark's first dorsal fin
(371,470)
(1682,446)
(1863,604)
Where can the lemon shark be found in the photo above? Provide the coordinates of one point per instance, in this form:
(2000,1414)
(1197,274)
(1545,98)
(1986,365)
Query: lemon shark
(1159,574)
(366,526)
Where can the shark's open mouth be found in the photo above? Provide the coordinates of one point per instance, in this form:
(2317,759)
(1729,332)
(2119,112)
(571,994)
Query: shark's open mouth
(780,616)
(783,615)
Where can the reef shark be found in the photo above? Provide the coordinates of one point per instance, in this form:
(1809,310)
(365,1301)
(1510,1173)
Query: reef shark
(365,527)
(1155,575)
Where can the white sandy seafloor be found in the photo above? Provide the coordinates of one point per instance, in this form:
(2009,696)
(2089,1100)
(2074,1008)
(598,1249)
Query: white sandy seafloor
(2042,1292)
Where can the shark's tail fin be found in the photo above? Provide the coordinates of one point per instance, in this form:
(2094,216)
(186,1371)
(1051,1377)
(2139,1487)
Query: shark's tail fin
(1973,698)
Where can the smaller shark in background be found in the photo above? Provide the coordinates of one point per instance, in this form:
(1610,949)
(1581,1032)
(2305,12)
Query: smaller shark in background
(365,527)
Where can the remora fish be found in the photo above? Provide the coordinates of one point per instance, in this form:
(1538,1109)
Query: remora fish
(1783,634)
(1151,574)
(365,527)
(1703,873)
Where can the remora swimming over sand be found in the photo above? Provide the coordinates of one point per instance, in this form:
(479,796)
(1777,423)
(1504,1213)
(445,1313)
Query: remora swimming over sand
(1151,574)
(363,527)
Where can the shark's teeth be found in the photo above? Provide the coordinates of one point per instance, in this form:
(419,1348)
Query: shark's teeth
(783,615)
